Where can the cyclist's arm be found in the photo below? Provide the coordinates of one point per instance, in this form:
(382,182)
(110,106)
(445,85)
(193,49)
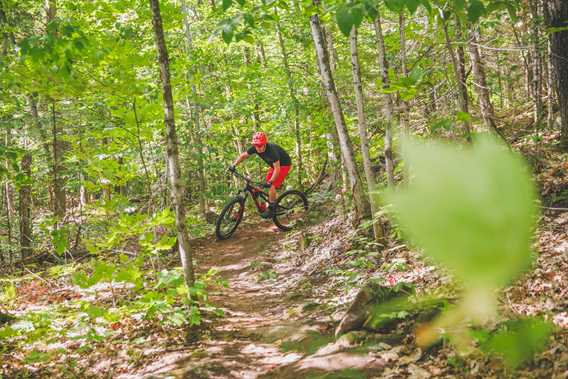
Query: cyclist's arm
(276,171)
(244,155)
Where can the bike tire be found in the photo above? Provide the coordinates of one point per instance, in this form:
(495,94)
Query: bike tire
(298,199)
(225,217)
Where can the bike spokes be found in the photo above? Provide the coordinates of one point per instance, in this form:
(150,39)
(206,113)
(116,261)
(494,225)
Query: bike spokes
(230,217)
(291,210)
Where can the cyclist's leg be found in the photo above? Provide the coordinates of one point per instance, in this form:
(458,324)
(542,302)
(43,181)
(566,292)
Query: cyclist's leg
(284,170)
(263,205)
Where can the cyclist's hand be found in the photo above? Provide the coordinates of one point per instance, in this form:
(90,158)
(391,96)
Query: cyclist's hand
(232,168)
(267,185)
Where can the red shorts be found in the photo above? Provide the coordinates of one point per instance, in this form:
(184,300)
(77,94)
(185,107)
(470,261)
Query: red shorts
(284,170)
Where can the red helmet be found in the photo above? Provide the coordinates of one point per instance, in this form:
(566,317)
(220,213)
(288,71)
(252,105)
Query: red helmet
(259,139)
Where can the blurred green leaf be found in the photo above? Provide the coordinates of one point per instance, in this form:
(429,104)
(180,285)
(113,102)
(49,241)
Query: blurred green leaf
(472,209)
(519,340)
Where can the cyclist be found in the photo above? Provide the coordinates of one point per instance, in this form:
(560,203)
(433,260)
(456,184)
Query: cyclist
(278,160)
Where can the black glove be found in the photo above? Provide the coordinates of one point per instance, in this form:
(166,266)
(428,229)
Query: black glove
(267,185)
(232,168)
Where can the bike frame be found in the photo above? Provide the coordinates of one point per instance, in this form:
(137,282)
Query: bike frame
(254,191)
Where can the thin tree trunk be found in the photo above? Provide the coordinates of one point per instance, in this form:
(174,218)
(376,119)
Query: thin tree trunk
(58,180)
(50,10)
(525,58)
(480,83)
(5,34)
(549,88)
(403,112)
(25,208)
(8,194)
(294,99)
(362,127)
(362,207)
(195,111)
(172,146)
(256,111)
(557,17)
(389,104)
(328,38)
(537,63)
(459,73)
(141,149)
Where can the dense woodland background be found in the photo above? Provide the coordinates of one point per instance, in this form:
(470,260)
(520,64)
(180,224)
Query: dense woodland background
(87,163)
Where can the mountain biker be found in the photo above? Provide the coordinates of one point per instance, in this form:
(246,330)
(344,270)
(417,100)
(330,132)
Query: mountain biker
(278,160)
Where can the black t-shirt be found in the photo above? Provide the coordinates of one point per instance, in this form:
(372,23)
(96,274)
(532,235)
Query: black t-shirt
(272,154)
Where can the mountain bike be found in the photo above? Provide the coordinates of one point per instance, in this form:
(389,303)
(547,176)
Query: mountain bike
(290,208)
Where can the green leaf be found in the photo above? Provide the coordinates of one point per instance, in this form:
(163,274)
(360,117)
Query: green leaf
(475,10)
(7,332)
(370,9)
(459,5)
(93,311)
(194,316)
(426,4)
(443,123)
(519,341)
(227,4)
(60,240)
(412,5)
(344,19)
(471,209)
(249,19)
(227,33)
(395,5)
(37,356)
(463,116)
(80,279)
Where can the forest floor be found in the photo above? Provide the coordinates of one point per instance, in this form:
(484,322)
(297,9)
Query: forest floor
(287,293)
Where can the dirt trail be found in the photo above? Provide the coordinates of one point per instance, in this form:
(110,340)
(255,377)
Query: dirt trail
(244,343)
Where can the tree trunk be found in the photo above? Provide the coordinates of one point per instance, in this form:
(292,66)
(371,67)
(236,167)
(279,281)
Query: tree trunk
(195,111)
(141,149)
(403,112)
(557,17)
(549,88)
(536,63)
(8,195)
(362,127)
(480,83)
(256,111)
(362,207)
(50,10)
(328,38)
(525,58)
(59,206)
(5,34)
(458,65)
(172,146)
(294,99)
(389,104)
(25,207)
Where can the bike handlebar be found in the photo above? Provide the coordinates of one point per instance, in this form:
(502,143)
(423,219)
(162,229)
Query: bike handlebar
(245,178)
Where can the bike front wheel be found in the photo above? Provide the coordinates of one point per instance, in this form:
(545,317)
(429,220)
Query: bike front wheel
(291,210)
(230,218)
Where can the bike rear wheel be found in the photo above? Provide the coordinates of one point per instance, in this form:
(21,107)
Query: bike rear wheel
(230,218)
(291,210)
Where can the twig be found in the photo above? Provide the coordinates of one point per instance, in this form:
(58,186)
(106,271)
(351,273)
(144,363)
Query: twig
(555,209)
(38,277)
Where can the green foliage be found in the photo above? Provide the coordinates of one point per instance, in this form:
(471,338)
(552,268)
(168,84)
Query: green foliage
(267,275)
(516,341)
(473,210)
(349,16)
(476,201)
